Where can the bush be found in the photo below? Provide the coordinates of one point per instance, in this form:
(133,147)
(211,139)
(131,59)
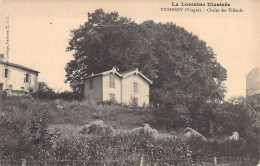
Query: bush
(23,124)
(118,150)
(45,92)
(3,94)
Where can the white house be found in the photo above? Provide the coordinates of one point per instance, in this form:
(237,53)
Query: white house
(17,77)
(253,82)
(127,87)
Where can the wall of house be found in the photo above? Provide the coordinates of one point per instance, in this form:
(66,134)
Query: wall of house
(108,90)
(16,79)
(253,82)
(95,94)
(128,90)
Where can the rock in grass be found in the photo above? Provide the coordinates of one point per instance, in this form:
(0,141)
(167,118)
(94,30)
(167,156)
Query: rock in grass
(190,133)
(97,127)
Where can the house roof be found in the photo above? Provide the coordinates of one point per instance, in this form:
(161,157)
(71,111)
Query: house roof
(256,69)
(122,75)
(136,71)
(18,66)
(113,70)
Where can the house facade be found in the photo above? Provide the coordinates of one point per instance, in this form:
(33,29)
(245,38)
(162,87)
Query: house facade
(17,77)
(253,82)
(126,88)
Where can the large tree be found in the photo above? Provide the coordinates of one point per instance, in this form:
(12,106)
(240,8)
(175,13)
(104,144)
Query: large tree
(102,42)
(184,70)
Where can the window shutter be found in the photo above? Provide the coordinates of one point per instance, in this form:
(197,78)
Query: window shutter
(30,78)
(114,82)
(110,81)
(135,86)
(9,73)
(24,79)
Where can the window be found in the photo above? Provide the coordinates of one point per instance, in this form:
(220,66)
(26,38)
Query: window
(112,81)
(22,88)
(6,73)
(27,77)
(31,90)
(135,84)
(10,87)
(91,84)
(1,86)
(112,97)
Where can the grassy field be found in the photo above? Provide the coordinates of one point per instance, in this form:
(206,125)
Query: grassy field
(82,112)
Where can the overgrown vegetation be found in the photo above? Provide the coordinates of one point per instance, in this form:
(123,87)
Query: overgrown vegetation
(26,125)
(45,92)
(23,124)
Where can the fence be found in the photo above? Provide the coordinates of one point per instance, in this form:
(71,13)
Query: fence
(227,161)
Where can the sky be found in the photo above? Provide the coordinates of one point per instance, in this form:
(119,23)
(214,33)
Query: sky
(40,31)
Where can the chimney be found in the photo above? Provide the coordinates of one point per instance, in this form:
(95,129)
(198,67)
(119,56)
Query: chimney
(136,70)
(115,69)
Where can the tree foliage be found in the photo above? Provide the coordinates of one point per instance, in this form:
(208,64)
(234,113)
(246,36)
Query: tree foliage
(241,115)
(44,91)
(238,114)
(184,70)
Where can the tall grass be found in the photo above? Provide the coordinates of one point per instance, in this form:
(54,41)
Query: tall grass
(83,112)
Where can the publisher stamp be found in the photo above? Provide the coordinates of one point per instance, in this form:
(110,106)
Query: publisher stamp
(198,7)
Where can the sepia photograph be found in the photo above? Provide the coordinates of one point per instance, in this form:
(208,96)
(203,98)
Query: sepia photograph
(129,83)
